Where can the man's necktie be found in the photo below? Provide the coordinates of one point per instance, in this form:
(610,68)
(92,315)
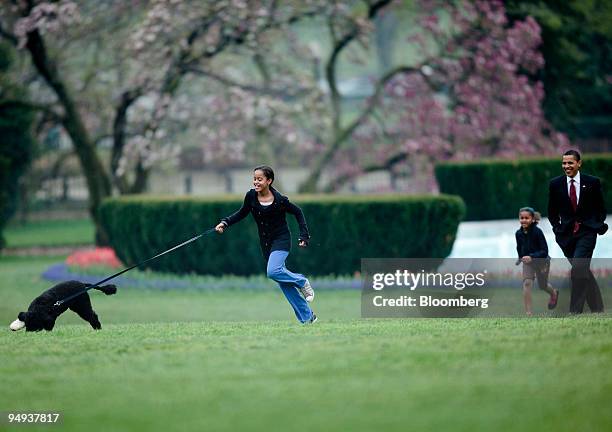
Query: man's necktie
(574,201)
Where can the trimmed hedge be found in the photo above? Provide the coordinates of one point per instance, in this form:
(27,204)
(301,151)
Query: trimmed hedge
(343,230)
(496,189)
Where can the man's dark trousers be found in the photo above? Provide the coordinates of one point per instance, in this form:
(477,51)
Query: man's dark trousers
(579,251)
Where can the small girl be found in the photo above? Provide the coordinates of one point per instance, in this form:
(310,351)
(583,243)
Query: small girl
(268,208)
(533,253)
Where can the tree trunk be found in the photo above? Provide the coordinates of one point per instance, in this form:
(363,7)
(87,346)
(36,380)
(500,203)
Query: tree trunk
(98,182)
(141,179)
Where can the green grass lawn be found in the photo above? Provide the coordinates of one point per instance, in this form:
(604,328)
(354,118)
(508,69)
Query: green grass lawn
(233,361)
(50,233)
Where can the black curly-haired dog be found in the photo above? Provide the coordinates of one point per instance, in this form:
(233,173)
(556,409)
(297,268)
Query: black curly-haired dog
(42,312)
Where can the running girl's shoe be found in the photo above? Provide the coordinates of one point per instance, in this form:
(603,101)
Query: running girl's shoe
(307,291)
(554,297)
(313,319)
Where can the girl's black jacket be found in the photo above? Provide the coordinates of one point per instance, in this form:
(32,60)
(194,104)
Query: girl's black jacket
(271,223)
(532,243)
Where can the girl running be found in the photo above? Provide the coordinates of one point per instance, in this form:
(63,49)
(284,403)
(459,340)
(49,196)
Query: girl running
(533,253)
(268,208)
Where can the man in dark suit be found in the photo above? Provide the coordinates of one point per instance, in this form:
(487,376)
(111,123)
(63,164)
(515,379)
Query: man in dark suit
(577,212)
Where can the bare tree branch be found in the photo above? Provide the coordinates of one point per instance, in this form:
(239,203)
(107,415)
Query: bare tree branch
(386,165)
(339,134)
(283,93)
(310,184)
(47,109)
(330,72)
(339,44)
(119,135)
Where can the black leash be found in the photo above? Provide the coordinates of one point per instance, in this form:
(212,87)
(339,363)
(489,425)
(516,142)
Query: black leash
(60,302)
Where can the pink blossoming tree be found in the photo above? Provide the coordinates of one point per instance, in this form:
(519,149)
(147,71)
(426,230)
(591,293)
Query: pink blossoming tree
(472,95)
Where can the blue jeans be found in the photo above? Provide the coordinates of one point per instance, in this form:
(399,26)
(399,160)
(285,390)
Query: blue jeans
(289,283)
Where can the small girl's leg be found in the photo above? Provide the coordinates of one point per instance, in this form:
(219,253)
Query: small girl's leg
(527,284)
(549,289)
(542,275)
(554,296)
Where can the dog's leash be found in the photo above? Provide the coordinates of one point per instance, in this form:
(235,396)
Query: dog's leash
(60,302)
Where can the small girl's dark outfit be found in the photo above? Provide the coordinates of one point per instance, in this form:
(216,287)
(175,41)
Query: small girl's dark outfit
(533,243)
